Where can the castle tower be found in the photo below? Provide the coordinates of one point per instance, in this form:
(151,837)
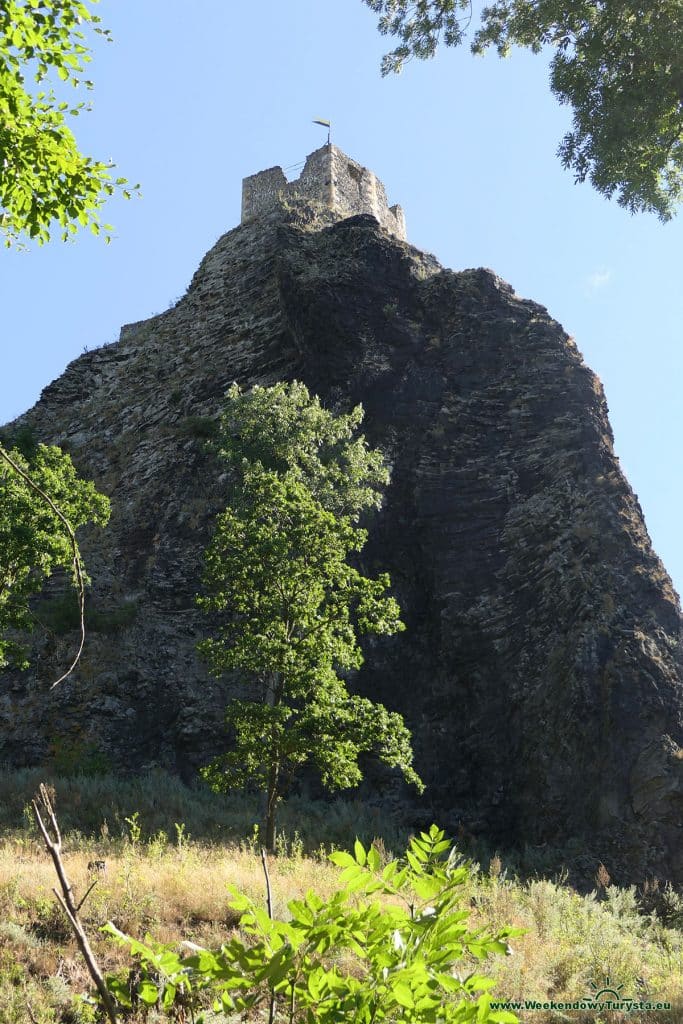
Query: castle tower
(330,177)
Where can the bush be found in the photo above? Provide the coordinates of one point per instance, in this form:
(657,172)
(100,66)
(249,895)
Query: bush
(23,438)
(73,758)
(202,427)
(344,958)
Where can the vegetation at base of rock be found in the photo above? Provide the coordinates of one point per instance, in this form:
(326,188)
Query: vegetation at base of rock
(73,757)
(33,540)
(350,956)
(90,802)
(160,878)
(44,178)
(616,65)
(290,604)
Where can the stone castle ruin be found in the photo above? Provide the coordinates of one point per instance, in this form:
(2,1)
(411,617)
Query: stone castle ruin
(330,177)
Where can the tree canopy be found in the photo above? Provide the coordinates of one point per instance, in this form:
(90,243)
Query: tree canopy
(44,178)
(617,63)
(33,539)
(290,604)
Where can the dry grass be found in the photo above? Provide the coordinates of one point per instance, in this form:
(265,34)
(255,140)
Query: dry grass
(159,881)
(172,893)
(572,942)
(140,889)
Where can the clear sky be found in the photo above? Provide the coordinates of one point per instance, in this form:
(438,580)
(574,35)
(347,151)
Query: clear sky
(190,98)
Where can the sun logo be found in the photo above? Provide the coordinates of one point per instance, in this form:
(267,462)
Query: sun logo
(607,990)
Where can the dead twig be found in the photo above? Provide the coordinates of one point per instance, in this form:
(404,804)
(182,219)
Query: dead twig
(42,805)
(87,893)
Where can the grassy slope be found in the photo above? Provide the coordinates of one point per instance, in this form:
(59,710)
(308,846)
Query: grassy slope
(159,880)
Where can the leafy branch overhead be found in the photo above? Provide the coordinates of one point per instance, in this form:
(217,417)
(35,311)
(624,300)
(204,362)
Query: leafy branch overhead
(616,63)
(44,178)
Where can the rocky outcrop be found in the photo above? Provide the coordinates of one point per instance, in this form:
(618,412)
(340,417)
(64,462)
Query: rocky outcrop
(541,667)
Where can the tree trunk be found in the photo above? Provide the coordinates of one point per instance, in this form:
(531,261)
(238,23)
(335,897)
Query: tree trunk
(272,797)
(273,696)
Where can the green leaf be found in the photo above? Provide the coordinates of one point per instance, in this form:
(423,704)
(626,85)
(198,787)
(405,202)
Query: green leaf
(415,864)
(169,995)
(119,989)
(478,983)
(402,994)
(313,984)
(342,859)
(426,887)
(373,859)
(148,992)
(359,852)
(239,901)
(300,912)
(420,849)
(494,946)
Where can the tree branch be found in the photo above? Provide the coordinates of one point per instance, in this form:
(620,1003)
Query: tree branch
(53,844)
(87,893)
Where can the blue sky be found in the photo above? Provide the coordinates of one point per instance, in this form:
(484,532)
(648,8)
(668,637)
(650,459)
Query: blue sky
(190,98)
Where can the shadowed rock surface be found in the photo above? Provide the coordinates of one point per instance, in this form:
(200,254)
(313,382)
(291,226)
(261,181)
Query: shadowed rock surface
(541,668)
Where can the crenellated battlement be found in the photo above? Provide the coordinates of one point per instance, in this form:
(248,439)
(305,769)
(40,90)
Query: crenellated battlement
(330,177)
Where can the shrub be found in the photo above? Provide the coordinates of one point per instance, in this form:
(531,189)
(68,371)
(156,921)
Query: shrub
(74,757)
(350,957)
(202,427)
(23,438)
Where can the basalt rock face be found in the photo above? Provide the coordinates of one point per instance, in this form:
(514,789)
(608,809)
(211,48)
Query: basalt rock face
(541,668)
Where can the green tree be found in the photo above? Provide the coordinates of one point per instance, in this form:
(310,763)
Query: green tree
(38,492)
(617,63)
(44,178)
(290,603)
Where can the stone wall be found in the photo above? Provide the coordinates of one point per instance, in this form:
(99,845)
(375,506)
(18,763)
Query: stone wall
(330,177)
(260,191)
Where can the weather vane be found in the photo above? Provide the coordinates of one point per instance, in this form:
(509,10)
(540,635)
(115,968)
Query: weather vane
(325,124)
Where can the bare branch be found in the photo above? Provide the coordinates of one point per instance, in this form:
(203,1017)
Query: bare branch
(42,807)
(87,893)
